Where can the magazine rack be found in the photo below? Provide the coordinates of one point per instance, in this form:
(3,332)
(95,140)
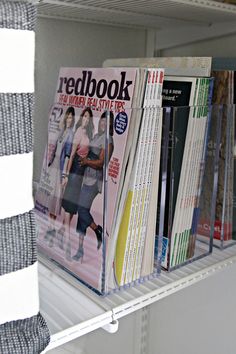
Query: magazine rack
(225,218)
(84,249)
(186,133)
(222,146)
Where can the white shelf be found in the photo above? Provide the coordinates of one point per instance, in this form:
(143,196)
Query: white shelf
(155,14)
(71,310)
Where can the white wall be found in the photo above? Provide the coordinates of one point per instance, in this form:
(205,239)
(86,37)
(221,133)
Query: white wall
(218,47)
(66,43)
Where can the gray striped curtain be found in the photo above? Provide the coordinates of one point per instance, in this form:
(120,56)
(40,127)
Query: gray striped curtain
(22,328)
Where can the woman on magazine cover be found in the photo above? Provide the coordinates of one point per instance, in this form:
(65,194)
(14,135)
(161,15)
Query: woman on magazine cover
(56,165)
(73,176)
(92,183)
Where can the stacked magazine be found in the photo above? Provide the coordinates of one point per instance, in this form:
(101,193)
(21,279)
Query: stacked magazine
(224,112)
(184,144)
(224,200)
(181,66)
(134,254)
(96,185)
(187,92)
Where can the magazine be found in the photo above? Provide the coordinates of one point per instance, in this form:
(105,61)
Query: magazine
(132,231)
(89,125)
(223,116)
(181,66)
(180,93)
(189,185)
(183,144)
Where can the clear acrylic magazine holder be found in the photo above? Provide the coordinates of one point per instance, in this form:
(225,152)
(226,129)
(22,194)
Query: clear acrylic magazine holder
(224,232)
(99,232)
(186,136)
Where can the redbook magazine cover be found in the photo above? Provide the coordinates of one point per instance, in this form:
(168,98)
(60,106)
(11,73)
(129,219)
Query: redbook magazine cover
(88,127)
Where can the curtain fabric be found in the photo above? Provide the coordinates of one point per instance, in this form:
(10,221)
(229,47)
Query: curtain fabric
(22,328)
